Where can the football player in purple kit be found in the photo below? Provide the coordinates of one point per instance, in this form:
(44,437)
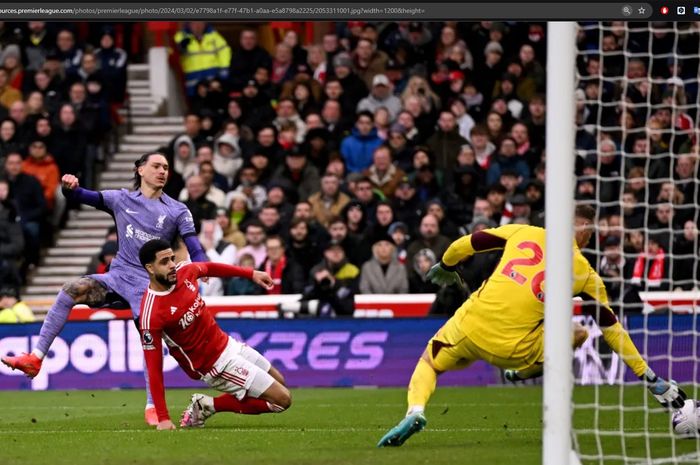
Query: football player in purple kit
(141,215)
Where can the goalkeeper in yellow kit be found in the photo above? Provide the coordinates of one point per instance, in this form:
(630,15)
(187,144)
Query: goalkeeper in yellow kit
(503,321)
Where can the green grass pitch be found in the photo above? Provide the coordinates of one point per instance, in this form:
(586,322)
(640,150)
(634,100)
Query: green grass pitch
(491,425)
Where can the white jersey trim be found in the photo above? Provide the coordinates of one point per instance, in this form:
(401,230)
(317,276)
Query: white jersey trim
(166,292)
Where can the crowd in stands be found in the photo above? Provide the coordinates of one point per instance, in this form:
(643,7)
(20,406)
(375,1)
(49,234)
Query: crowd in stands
(61,85)
(366,154)
(349,165)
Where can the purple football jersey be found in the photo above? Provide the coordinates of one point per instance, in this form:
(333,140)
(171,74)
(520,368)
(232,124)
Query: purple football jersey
(138,221)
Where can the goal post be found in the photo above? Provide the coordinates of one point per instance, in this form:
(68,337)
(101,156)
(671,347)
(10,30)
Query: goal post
(559,205)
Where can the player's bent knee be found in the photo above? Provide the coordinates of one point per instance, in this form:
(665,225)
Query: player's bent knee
(278,395)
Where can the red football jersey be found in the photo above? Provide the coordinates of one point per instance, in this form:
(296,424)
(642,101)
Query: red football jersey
(180,317)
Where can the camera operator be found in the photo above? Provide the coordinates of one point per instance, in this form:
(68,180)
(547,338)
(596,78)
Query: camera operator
(332,290)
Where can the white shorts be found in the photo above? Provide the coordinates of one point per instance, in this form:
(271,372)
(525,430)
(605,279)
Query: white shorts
(240,371)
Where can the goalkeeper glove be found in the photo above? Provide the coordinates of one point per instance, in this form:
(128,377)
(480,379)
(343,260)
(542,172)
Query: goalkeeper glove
(666,392)
(440,274)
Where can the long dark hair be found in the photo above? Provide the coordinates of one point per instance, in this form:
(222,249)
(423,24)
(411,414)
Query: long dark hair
(143,159)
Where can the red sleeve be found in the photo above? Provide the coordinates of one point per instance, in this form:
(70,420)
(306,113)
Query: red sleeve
(152,342)
(221,270)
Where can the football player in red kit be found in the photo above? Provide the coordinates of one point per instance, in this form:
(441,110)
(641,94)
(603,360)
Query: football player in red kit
(172,310)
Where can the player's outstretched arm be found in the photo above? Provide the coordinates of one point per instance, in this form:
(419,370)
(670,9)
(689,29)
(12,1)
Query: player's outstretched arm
(221,270)
(71,189)
(667,393)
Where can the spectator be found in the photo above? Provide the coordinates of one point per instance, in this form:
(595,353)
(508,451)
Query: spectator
(217,248)
(37,45)
(112,62)
(287,115)
(357,149)
(383,274)
(269,216)
(42,166)
(428,237)
(11,61)
(353,87)
(464,120)
(8,138)
(204,54)
(612,267)
(228,157)
(69,141)
(301,247)
(197,203)
(243,286)
(685,247)
(381,97)
(419,283)
(27,196)
(334,283)
(483,147)
(11,238)
(8,94)
(651,268)
(329,201)
(255,242)
(104,258)
(247,60)
(12,308)
(185,162)
(405,204)
(286,274)
(382,173)
(213,193)
(446,225)
(369,62)
(338,232)
(283,68)
(446,143)
(231,233)
(300,172)
(69,55)
(508,160)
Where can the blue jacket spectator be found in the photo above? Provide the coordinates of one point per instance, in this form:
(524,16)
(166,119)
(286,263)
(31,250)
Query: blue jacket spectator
(357,148)
(508,160)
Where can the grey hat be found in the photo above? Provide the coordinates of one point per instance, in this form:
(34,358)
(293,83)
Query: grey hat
(493,46)
(481,220)
(519,199)
(342,59)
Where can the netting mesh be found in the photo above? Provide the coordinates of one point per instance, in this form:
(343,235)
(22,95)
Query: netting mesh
(637,164)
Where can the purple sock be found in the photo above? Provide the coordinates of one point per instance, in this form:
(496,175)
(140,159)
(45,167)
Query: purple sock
(55,319)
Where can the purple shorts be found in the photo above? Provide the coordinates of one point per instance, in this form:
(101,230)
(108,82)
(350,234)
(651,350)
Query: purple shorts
(127,283)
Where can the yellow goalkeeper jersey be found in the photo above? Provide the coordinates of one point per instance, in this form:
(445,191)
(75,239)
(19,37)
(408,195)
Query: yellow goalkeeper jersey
(507,311)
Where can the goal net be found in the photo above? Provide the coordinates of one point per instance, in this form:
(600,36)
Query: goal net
(636,144)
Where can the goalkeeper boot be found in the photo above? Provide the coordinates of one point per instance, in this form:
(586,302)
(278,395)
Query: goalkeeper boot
(405,429)
(512,376)
(29,364)
(201,407)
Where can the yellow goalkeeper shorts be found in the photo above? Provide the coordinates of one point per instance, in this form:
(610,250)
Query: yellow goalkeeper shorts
(451,349)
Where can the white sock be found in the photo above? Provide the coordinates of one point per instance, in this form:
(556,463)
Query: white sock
(415,409)
(39,354)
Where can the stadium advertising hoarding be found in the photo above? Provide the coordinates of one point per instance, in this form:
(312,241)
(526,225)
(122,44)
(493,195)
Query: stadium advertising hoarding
(360,352)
